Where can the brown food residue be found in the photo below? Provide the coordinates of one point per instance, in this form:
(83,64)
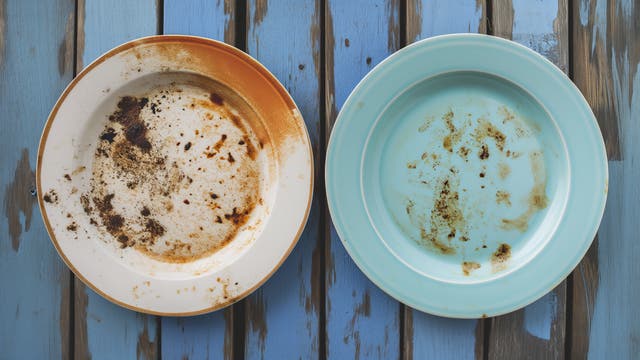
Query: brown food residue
(216,99)
(455,135)
(446,219)
(486,129)
(50,197)
(483,154)
(500,257)
(503,197)
(506,114)
(72,227)
(469,266)
(537,199)
(427,123)
(463,151)
(130,161)
(128,115)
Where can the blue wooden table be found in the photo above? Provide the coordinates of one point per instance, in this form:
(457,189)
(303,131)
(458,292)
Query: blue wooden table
(318,305)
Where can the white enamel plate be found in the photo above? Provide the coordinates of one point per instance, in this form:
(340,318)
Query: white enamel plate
(174,175)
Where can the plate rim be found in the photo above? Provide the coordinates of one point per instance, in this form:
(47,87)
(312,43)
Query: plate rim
(277,85)
(340,226)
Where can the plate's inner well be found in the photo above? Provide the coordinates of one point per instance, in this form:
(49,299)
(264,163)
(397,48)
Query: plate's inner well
(179,169)
(465,176)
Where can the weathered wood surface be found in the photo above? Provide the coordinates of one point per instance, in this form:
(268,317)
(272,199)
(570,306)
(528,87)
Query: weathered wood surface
(538,330)
(361,321)
(318,305)
(606,60)
(104,330)
(282,317)
(207,336)
(36,63)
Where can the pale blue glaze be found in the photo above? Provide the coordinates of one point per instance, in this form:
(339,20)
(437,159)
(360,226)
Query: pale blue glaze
(203,336)
(34,279)
(112,331)
(528,278)
(281,38)
(361,321)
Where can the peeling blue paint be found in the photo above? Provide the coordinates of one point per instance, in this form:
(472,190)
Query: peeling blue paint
(539,316)
(445,17)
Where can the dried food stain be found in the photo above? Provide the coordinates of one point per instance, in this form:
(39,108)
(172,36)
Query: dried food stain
(130,162)
(537,199)
(469,266)
(72,227)
(446,219)
(500,257)
(483,154)
(50,197)
(145,211)
(108,135)
(486,129)
(128,115)
(503,197)
(216,99)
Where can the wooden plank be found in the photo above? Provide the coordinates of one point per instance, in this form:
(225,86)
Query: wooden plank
(210,335)
(361,320)
(282,317)
(427,335)
(426,18)
(537,331)
(606,60)
(36,62)
(102,329)
(212,19)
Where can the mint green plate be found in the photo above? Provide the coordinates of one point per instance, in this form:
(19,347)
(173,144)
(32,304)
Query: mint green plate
(466,176)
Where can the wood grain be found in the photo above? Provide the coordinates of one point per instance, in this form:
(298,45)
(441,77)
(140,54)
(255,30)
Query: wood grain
(606,59)
(427,335)
(361,320)
(105,330)
(210,335)
(426,18)
(212,19)
(34,300)
(538,330)
(283,316)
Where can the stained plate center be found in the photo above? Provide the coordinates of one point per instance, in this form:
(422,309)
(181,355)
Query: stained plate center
(465,176)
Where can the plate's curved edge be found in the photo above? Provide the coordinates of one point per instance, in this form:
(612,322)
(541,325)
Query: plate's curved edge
(164,38)
(602,162)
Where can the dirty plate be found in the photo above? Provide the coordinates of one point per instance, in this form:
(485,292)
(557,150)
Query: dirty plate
(174,175)
(466,176)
